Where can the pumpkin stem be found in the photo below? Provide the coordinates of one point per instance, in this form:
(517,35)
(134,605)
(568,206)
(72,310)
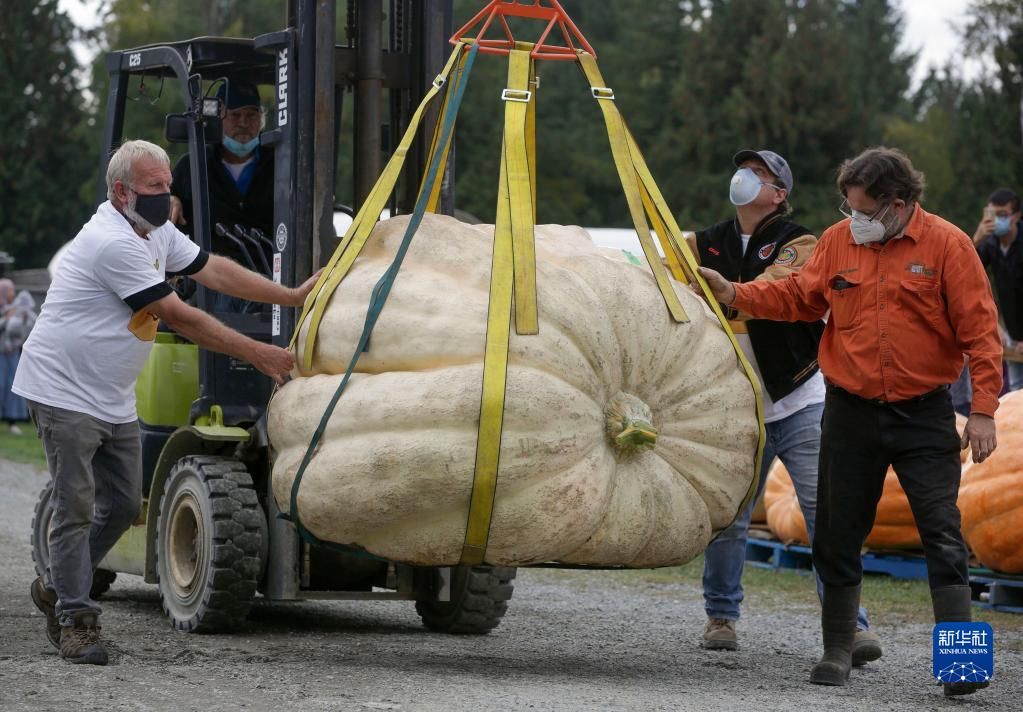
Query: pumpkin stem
(629,424)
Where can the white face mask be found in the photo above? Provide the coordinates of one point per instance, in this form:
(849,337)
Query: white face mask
(866,229)
(745,187)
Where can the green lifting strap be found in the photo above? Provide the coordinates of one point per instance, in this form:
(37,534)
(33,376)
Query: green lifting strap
(381,290)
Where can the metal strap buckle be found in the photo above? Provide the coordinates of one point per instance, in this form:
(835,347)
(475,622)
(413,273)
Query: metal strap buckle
(439,81)
(519,95)
(603,93)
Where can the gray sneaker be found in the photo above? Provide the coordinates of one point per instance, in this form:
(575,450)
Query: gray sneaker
(79,642)
(719,634)
(46,601)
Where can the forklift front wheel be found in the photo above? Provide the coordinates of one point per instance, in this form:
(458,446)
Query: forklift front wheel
(210,544)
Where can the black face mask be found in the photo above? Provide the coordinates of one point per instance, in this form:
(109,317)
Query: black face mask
(154,209)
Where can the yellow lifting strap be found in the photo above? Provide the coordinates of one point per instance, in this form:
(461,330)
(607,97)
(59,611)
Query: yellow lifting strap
(513,272)
(433,205)
(618,136)
(368,216)
(677,250)
(517,99)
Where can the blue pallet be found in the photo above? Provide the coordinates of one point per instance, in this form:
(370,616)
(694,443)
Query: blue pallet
(770,554)
(996,592)
(990,589)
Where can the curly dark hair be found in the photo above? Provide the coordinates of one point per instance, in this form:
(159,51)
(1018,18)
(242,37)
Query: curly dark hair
(884,174)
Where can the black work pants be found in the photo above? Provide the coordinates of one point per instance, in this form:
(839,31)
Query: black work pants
(859,440)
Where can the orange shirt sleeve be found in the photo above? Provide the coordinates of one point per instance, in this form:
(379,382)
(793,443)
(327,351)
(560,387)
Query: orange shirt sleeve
(974,318)
(800,297)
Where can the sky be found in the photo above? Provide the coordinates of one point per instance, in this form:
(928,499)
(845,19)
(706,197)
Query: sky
(929,28)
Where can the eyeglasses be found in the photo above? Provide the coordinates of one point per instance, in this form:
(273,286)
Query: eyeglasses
(878,214)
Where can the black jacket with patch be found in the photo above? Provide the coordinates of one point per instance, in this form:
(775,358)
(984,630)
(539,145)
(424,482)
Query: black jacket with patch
(255,209)
(786,352)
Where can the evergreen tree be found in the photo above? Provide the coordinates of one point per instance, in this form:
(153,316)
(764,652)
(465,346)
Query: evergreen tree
(47,153)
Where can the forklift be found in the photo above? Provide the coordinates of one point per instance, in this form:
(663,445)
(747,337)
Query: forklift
(209,533)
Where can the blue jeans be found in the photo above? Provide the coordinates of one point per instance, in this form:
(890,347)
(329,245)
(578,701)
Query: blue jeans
(12,406)
(795,440)
(1014,370)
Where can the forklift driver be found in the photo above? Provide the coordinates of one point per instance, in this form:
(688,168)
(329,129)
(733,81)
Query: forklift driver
(240,173)
(79,366)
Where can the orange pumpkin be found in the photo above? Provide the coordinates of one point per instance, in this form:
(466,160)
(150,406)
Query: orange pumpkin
(991,494)
(894,527)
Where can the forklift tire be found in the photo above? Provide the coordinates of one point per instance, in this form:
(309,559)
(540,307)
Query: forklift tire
(479,599)
(211,539)
(101,580)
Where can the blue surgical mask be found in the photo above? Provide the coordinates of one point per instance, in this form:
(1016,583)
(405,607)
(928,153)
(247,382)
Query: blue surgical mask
(238,148)
(1002,224)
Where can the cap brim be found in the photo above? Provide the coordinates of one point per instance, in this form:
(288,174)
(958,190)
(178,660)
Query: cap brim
(746,155)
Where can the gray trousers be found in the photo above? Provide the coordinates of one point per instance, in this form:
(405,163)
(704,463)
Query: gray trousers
(96,472)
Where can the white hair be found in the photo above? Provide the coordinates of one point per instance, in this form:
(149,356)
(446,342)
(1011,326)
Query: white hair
(122,162)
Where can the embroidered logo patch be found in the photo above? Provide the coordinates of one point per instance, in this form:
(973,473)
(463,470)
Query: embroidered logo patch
(156,264)
(917,268)
(713,251)
(765,251)
(787,256)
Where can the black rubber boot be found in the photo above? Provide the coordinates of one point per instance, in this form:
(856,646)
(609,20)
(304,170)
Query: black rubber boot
(952,605)
(838,625)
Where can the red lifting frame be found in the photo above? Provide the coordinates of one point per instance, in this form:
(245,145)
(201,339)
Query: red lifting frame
(552,13)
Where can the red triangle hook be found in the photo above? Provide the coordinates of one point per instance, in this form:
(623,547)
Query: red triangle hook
(549,11)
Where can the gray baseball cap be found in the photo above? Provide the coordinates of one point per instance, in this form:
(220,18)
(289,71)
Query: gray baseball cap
(775,163)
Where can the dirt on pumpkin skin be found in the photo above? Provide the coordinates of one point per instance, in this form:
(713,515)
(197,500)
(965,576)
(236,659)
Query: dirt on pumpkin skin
(569,642)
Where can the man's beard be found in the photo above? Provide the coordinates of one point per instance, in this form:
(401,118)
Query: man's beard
(134,218)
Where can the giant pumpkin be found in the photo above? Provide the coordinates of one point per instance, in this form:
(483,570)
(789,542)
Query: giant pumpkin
(894,526)
(991,494)
(394,471)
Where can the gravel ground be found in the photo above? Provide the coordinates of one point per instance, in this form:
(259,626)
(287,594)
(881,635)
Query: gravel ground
(570,641)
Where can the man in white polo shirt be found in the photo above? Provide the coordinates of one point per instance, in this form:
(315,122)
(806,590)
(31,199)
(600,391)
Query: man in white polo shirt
(79,366)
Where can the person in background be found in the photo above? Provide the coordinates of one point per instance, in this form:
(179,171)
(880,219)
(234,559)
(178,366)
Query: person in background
(17,317)
(999,242)
(760,244)
(908,297)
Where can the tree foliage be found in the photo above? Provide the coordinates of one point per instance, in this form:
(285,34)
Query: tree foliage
(47,151)
(816,80)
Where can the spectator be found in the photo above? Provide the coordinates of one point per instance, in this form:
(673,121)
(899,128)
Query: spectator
(999,244)
(17,317)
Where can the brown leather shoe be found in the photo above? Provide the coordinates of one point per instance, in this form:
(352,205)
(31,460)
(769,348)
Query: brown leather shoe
(46,601)
(79,642)
(719,634)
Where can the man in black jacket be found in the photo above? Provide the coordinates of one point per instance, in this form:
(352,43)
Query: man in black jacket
(240,176)
(759,243)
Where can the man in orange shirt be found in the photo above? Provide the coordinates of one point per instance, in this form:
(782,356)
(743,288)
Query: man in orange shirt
(908,298)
